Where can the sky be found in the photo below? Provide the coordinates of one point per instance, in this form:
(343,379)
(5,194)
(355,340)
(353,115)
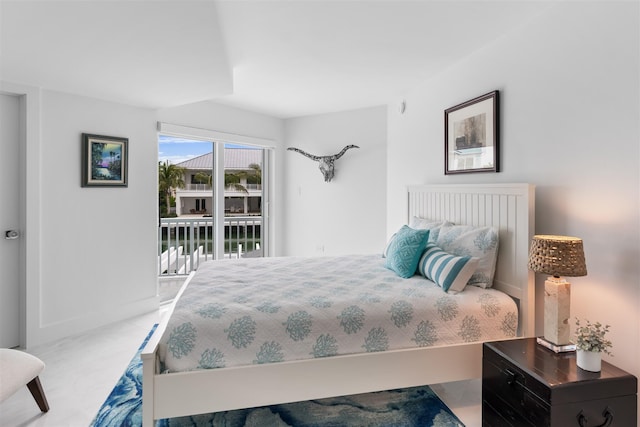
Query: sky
(110,152)
(176,149)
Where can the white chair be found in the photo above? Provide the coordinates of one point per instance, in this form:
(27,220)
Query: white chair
(18,369)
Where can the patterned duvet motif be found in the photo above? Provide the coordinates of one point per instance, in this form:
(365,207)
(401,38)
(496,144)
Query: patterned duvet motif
(264,310)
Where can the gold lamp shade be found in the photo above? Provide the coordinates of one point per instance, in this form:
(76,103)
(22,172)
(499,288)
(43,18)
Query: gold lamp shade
(557,256)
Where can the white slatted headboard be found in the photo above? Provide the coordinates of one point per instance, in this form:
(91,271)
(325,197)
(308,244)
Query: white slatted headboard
(508,207)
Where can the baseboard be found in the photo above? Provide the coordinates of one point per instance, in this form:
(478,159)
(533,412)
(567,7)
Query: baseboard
(95,319)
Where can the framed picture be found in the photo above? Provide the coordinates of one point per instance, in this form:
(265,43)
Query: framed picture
(471,136)
(104,161)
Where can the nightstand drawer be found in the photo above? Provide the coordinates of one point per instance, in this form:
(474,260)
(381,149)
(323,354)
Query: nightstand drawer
(498,413)
(508,383)
(506,377)
(621,410)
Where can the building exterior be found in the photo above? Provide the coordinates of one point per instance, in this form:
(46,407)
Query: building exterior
(243,184)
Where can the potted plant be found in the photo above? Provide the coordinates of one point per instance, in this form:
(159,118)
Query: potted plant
(590,344)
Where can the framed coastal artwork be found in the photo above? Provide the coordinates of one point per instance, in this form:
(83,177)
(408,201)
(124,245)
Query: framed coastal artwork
(104,161)
(471,136)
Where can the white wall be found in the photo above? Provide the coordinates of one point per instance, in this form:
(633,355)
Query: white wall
(569,88)
(91,241)
(346,215)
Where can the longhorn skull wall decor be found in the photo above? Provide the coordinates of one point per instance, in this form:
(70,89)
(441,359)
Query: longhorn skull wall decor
(326,162)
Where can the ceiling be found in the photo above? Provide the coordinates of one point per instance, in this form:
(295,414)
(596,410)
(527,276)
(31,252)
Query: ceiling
(283,58)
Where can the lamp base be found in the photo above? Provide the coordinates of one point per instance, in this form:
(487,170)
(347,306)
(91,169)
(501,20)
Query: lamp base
(556,348)
(557,301)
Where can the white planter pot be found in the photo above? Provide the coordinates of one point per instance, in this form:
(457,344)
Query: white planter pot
(589,360)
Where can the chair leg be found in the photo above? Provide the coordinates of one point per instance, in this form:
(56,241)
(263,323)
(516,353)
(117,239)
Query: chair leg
(37,392)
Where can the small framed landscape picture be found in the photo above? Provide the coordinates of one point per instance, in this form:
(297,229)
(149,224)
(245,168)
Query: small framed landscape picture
(104,161)
(471,136)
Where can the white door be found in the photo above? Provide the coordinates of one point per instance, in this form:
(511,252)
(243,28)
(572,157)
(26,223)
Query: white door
(9,221)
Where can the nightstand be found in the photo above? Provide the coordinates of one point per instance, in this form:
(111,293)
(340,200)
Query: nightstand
(525,384)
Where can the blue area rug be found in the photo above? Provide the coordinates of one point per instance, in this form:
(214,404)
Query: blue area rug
(410,407)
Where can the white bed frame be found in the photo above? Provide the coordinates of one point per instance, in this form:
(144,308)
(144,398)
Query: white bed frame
(509,207)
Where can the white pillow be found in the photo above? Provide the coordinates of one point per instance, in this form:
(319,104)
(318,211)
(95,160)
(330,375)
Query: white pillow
(448,271)
(423,223)
(472,241)
(428,224)
(386,248)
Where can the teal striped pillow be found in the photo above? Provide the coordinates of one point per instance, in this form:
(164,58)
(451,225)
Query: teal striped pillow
(448,271)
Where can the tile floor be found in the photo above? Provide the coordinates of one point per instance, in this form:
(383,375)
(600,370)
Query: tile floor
(464,398)
(82,370)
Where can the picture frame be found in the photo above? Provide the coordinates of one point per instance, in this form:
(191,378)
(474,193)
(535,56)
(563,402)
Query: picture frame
(471,135)
(104,161)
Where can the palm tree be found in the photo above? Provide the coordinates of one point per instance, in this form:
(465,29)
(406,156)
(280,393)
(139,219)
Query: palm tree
(170,177)
(232,180)
(202,178)
(257,173)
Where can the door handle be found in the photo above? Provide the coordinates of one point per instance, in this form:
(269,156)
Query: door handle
(11,234)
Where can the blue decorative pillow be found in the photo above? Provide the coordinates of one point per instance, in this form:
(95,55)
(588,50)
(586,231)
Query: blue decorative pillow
(404,250)
(448,271)
(472,241)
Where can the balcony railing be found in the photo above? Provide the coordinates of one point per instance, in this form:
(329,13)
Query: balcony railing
(197,187)
(183,243)
(207,187)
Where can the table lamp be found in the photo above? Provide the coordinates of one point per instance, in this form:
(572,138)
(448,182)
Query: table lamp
(557,256)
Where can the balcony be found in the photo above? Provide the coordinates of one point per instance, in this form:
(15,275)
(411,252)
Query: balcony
(185,242)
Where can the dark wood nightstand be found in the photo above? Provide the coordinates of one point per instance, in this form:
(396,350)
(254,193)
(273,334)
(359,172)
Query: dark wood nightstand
(524,384)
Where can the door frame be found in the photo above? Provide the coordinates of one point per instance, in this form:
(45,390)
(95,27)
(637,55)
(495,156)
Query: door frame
(29,210)
(219,138)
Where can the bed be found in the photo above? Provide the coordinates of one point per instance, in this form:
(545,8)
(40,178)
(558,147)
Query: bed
(333,362)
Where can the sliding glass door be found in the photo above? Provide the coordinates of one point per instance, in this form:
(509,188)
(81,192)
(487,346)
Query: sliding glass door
(211,202)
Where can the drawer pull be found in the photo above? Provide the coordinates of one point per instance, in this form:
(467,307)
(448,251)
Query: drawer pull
(511,376)
(607,414)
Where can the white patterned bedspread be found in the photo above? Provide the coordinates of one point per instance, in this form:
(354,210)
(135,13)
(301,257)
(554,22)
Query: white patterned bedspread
(262,310)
